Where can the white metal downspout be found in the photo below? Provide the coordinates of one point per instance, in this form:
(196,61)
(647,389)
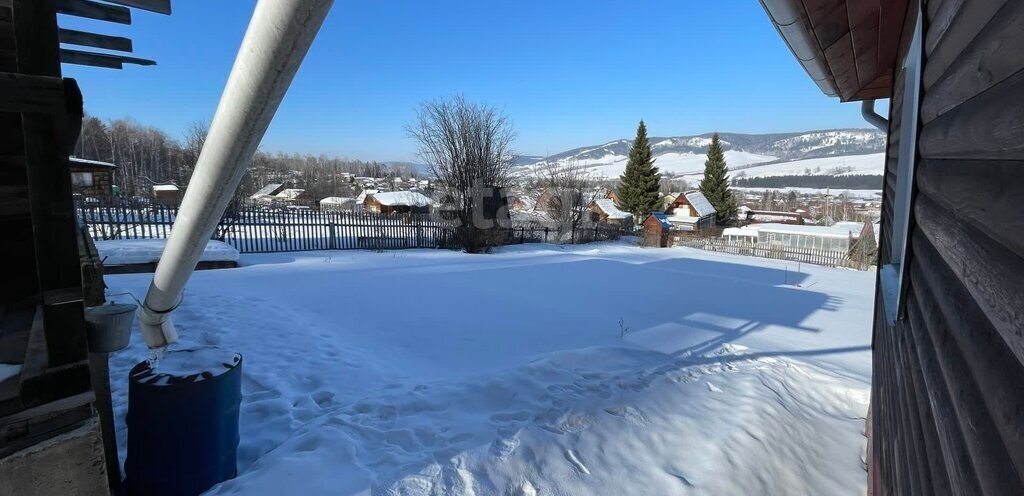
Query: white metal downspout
(867,110)
(276,41)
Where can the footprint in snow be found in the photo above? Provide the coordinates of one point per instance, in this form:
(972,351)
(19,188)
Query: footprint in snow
(633,415)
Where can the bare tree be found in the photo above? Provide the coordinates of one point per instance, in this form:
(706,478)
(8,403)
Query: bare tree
(570,190)
(468,147)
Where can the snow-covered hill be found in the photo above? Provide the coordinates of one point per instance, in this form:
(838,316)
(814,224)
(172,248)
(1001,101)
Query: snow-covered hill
(685,155)
(873,163)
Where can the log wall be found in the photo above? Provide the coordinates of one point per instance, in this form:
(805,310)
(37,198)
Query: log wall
(947,407)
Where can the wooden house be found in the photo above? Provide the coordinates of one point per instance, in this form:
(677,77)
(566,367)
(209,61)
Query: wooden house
(91,178)
(397,202)
(605,211)
(613,196)
(691,211)
(657,230)
(948,344)
(167,195)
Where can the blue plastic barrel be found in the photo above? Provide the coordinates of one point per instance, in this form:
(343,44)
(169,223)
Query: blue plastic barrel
(183,422)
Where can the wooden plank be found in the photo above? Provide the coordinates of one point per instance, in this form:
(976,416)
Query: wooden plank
(843,64)
(158,6)
(991,273)
(939,20)
(991,363)
(25,93)
(82,38)
(990,126)
(969,22)
(864,20)
(892,22)
(984,193)
(995,55)
(31,426)
(828,19)
(95,10)
(104,60)
(960,470)
(46,139)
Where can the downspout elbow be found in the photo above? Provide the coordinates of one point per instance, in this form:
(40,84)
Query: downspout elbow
(156,326)
(867,110)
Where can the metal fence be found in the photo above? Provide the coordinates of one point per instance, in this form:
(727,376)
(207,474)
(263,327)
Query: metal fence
(828,258)
(253,229)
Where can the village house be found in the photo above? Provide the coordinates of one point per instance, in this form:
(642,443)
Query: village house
(613,196)
(397,202)
(691,211)
(604,211)
(264,194)
(774,217)
(91,178)
(657,230)
(337,204)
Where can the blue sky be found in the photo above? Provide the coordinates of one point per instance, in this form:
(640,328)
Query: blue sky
(568,73)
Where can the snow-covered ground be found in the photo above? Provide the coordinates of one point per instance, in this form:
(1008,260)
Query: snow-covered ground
(428,372)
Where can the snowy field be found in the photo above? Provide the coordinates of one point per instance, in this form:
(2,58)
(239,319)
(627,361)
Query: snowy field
(426,372)
(871,164)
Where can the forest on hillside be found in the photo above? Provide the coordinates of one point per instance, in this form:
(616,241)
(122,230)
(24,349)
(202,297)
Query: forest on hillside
(145,155)
(853,181)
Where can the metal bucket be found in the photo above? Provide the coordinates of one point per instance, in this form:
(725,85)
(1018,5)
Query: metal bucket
(111,326)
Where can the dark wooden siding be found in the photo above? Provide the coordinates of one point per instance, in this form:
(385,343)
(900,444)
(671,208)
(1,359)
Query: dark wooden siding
(947,402)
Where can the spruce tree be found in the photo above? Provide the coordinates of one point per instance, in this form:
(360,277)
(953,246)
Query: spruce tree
(640,182)
(715,185)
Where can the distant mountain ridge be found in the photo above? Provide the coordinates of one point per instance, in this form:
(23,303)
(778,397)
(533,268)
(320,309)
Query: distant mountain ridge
(682,151)
(783,146)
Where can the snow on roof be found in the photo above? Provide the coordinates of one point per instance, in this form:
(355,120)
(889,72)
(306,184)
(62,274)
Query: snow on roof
(267,190)
(291,193)
(738,231)
(94,163)
(164,187)
(683,219)
(663,219)
(366,192)
(337,200)
(403,198)
(700,203)
(608,207)
(839,230)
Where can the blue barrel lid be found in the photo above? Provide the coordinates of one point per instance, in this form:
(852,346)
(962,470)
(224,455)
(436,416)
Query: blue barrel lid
(185,366)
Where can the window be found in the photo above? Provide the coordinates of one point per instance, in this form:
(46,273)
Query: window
(81,179)
(892,274)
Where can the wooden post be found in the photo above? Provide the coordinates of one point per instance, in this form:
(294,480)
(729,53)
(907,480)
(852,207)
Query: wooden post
(48,140)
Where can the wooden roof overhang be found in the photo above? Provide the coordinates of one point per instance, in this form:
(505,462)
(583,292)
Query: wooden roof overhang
(115,11)
(848,47)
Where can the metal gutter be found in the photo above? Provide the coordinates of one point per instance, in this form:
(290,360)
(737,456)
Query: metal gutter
(791,22)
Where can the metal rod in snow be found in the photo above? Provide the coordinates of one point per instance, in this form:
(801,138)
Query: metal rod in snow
(276,41)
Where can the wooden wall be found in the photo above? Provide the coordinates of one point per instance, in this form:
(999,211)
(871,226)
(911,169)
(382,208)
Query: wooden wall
(947,401)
